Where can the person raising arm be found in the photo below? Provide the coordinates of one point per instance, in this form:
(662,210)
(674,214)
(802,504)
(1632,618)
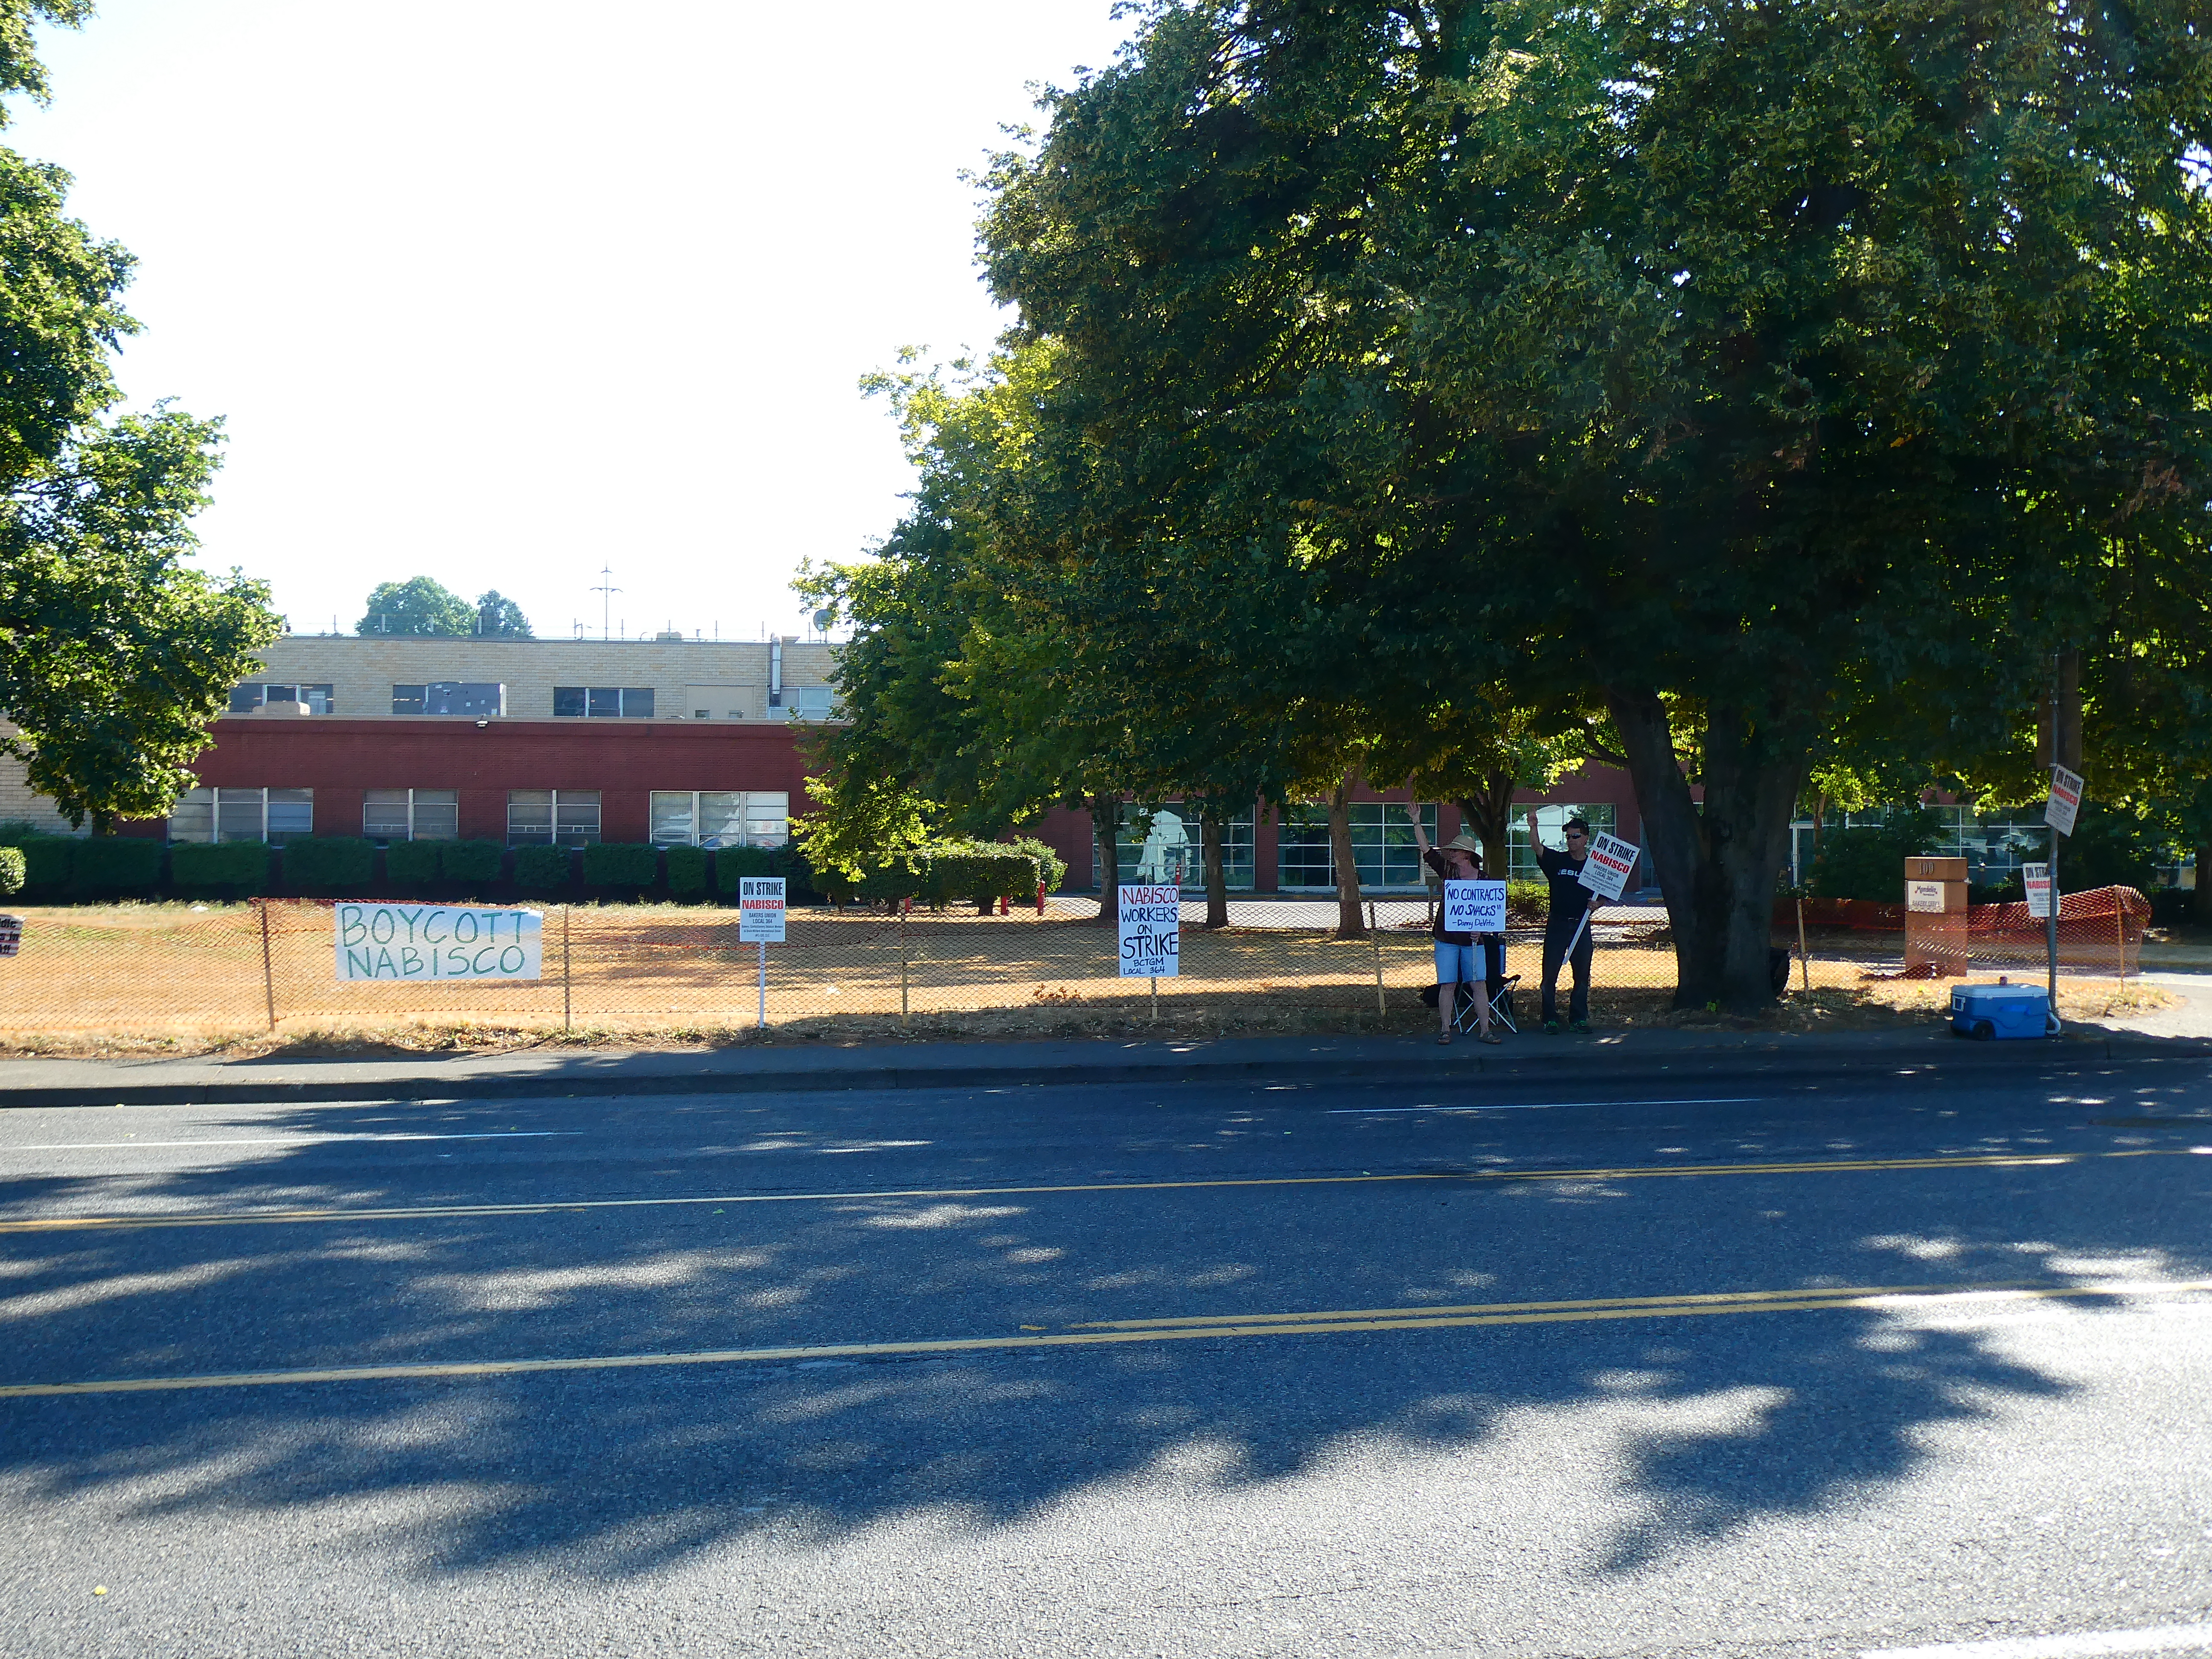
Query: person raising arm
(1457,860)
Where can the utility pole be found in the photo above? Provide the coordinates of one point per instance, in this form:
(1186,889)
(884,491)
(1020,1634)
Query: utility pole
(606,592)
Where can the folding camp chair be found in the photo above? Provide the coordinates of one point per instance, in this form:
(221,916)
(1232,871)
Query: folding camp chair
(1464,1018)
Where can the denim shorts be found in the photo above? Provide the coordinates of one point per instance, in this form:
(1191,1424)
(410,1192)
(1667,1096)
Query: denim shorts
(1458,964)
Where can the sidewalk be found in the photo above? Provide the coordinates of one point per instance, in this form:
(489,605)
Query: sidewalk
(543,1073)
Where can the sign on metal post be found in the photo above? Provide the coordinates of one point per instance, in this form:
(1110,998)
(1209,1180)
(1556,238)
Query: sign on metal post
(761,921)
(2037,879)
(1151,931)
(760,910)
(424,942)
(2065,799)
(1612,861)
(11,935)
(1474,907)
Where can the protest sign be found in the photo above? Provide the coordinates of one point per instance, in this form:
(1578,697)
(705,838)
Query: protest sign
(1612,861)
(760,910)
(1151,935)
(2037,879)
(2065,799)
(436,942)
(1474,907)
(11,935)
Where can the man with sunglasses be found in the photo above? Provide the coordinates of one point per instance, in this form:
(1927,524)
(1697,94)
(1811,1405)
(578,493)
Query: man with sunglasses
(1571,900)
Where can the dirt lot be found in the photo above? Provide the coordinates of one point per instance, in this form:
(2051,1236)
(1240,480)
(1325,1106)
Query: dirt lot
(178,979)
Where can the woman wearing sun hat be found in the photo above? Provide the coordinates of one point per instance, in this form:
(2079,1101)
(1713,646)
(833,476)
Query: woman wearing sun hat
(1459,858)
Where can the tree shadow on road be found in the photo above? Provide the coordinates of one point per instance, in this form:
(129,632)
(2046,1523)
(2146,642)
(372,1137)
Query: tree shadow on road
(1702,1423)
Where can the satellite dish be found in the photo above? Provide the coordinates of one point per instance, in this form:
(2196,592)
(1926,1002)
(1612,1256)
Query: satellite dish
(822,619)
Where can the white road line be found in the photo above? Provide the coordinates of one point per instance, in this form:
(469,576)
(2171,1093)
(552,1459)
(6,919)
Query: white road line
(2164,1638)
(1541,1106)
(279,1140)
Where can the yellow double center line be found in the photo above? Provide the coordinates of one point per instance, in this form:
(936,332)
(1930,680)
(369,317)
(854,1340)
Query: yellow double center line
(1647,1172)
(1209,1327)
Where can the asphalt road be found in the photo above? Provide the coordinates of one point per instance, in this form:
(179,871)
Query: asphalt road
(1834,1366)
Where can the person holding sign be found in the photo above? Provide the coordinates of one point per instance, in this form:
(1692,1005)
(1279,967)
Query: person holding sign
(1566,940)
(1459,860)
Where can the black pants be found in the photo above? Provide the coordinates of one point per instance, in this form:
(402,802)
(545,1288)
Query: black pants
(1555,954)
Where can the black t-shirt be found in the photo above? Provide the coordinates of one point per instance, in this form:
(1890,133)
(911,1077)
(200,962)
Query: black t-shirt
(1569,897)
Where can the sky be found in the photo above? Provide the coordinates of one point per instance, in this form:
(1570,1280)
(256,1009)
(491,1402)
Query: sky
(505,292)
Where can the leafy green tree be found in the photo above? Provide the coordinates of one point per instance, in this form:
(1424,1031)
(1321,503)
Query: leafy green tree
(114,655)
(500,617)
(1744,371)
(419,605)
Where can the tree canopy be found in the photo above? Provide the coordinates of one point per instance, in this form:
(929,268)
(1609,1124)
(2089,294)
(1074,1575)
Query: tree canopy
(423,605)
(115,654)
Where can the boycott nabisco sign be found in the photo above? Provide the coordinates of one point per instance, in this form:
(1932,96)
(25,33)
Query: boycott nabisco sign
(436,942)
(1612,861)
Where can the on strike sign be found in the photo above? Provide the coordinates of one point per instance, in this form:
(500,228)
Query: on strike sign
(760,910)
(437,941)
(2065,801)
(2036,877)
(1474,907)
(1612,861)
(1151,931)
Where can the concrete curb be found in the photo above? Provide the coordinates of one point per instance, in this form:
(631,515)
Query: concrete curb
(943,1067)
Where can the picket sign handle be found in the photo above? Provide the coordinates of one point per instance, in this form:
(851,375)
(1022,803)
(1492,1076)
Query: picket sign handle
(1577,939)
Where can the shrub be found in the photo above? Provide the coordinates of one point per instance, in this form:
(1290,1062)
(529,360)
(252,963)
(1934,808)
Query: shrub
(731,863)
(790,861)
(409,863)
(983,870)
(687,870)
(105,866)
(13,832)
(1528,900)
(472,861)
(621,864)
(233,869)
(329,863)
(1869,862)
(541,869)
(2112,847)
(11,870)
(47,862)
(2170,906)
(1051,869)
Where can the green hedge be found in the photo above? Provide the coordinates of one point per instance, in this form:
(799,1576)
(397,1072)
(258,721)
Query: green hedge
(621,864)
(982,871)
(11,870)
(1051,869)
(732,864)
(409,863)
(329,863)
(237,869)
(107,866)
(687,870)
(470,860)
(48,861)
(542,869)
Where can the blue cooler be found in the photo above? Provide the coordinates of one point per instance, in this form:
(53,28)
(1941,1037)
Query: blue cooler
(1987,1011)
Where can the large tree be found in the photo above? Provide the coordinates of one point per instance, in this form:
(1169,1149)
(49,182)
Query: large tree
(115,654)
(1744,370)
(421,604)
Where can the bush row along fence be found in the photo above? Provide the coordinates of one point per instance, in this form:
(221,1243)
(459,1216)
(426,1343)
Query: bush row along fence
(164,972)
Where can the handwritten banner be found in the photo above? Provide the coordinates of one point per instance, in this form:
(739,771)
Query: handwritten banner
(1474,907)
(1151,931)
(419,942)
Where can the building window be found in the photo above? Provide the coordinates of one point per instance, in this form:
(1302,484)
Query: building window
(1171,847)
(214,815)
(603,702)
(481,699)
(811,703)
(245,699)
(1382,846)
(389,815)
(552,818)
(720,818)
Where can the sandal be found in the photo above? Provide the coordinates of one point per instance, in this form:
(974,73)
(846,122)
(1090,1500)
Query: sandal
(1492,1037)
(1444,1037)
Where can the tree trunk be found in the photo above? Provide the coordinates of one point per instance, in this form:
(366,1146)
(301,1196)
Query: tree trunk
(103,824)
(1717,867)
(1105,821)
(1489,813)
(1351,918)
(1212,827)
(2201,906)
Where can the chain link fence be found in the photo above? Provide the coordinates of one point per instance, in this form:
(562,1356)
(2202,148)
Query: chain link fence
(159,971)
